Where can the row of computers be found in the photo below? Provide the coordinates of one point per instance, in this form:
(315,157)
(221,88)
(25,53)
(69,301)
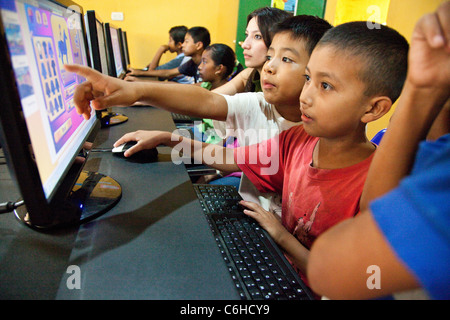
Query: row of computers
(109,53)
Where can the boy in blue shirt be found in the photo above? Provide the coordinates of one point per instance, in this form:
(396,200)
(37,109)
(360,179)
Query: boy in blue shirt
(195,42)
(175,44)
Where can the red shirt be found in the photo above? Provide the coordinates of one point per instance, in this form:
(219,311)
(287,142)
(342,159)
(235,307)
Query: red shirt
(313,199)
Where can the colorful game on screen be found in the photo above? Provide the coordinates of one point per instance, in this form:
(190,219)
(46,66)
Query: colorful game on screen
(55,42)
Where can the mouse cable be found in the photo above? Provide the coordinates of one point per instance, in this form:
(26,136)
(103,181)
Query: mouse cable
(10,206)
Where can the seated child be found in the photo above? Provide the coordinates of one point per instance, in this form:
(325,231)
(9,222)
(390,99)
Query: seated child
(403,230)
(195,42)
(217,67)
(217,64)
(352,78)
(176,39)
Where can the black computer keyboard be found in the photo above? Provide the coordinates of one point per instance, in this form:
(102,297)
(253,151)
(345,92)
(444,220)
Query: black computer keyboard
(257,266)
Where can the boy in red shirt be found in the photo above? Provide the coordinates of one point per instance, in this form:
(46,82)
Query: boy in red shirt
(353,77)
(401,238)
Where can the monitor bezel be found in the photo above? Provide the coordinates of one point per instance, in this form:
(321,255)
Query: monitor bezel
(16,142)
(110,51)
(123,49)
(127,48)
(91,19)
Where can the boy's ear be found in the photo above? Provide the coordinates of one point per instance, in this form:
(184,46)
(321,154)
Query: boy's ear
(199,45)
(376,108)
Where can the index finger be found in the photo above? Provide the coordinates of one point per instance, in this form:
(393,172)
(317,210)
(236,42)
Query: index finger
(81,98)
(86,72)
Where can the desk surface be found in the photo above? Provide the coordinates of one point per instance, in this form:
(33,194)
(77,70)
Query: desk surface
(154,244)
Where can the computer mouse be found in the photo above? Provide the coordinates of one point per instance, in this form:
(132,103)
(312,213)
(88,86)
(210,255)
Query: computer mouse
(143,156)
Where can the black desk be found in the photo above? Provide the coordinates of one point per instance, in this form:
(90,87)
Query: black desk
(154,244)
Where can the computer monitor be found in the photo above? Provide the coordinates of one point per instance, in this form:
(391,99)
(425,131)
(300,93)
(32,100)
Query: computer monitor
(96,41)
(99,61)
(127,48)
(124,49)
(42,135)
(114,51)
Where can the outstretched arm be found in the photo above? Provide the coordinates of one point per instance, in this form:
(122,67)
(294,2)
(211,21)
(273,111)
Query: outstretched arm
(161,73)
(101,91)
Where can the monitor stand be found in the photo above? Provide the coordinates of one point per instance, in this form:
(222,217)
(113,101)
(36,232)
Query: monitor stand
(110,118)
(92,195)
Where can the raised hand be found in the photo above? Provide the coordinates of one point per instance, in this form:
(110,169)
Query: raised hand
(429,56)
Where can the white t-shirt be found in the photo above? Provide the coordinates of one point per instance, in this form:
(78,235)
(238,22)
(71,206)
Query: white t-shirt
(251,119)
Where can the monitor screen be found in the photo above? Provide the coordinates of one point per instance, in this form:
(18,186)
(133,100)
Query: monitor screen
(124,47)
(116,50)
(127,49)
(96,42)
(102,47)
(41,36)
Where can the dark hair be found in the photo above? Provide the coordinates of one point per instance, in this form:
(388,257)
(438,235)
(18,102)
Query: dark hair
(266,18)
(222,54)
(178,33)
(310,29)
(200,34)
(383,51)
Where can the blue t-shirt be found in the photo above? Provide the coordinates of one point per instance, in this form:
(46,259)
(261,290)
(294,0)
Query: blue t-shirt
(190,68)
(175,63)
(415,218)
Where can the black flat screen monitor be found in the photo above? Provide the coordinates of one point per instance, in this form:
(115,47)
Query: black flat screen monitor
(114,51)
(42,135)
(124,49)
(96,42)
(127,48)
(99,61)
